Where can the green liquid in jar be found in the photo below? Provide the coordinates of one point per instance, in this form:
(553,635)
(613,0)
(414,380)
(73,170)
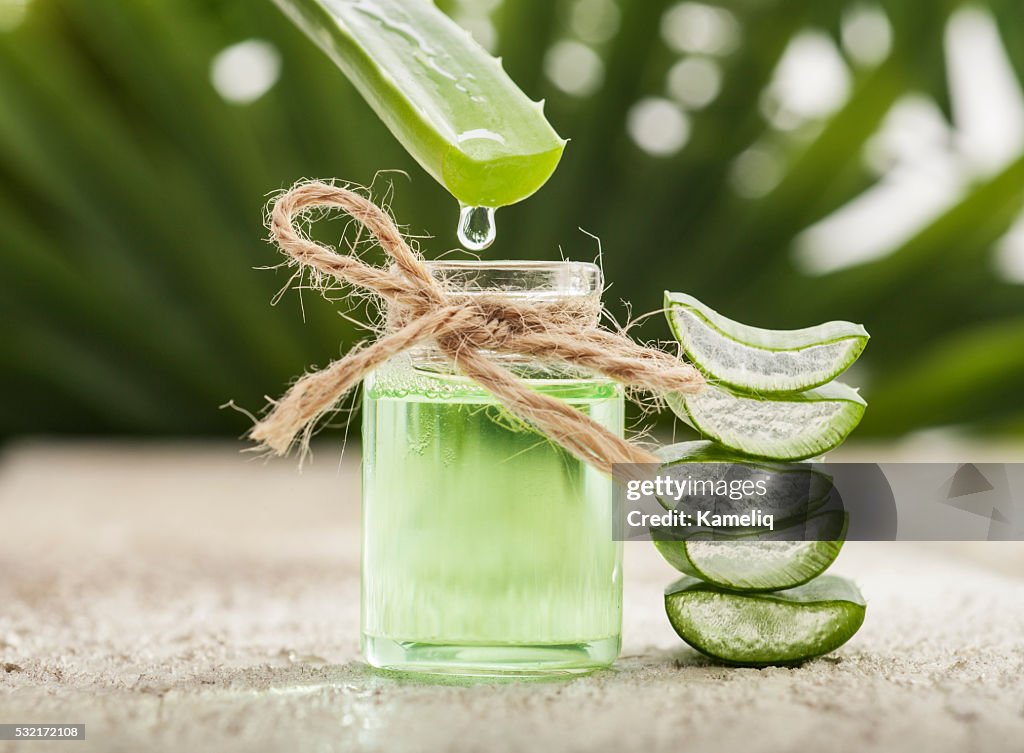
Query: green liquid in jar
(487,549)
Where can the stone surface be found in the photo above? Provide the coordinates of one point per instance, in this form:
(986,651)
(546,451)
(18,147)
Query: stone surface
(186,597)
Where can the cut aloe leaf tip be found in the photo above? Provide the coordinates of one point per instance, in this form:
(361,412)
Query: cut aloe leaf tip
(762,360)
(447,100)
(784,627)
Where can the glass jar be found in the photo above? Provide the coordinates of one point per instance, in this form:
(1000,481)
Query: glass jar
(487,548)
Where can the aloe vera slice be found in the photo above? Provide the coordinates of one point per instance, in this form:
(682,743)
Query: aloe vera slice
(762,360)
(802,545)
(792,489)
(767,561)
(784,427)
(784,627)
(448,101)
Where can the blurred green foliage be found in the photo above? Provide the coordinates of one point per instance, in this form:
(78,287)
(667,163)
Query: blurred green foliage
(131,199)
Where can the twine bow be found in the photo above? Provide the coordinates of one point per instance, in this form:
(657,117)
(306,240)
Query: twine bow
(464,328)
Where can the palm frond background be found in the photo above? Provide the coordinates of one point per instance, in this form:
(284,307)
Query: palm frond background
(788,161)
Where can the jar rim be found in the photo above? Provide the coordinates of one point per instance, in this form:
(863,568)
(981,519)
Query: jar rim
(525,264)
(559,278)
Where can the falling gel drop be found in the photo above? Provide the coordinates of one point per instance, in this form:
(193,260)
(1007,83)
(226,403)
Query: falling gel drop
(476,227)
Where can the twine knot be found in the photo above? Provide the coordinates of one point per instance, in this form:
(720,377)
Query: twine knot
(468,328)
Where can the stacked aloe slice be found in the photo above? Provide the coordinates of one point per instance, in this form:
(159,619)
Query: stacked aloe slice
(771,392)
(759,598)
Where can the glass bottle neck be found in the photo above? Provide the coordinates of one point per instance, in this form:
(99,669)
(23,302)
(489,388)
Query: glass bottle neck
(572,288)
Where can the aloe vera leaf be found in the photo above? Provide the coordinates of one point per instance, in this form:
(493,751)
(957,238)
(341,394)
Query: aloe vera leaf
(763,561)
(783,427)
(783,627)
(801,546)
(762,360)
(792,489)
(448,101)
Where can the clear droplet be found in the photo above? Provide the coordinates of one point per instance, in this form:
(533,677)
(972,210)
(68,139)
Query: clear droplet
(476,227)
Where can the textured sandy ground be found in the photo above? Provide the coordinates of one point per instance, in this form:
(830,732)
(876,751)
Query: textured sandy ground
(186,598)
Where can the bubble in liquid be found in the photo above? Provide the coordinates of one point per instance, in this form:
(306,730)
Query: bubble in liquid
(476,227)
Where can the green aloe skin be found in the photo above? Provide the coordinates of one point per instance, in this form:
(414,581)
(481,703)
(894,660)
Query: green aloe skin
(805,540)
(756,360)
(779,426)
(759,562)
(770,393)
(762,629)
(447,100)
